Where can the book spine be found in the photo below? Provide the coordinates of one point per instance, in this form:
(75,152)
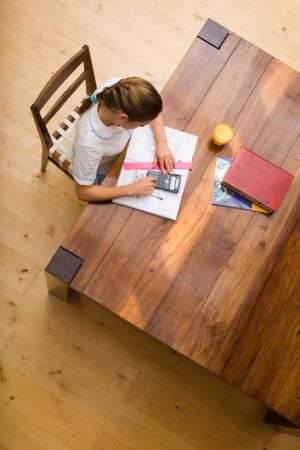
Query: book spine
(223,183)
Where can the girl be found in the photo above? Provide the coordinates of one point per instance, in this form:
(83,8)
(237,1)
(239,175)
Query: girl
(110,115)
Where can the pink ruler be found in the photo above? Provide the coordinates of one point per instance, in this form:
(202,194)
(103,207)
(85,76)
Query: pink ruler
(150,166)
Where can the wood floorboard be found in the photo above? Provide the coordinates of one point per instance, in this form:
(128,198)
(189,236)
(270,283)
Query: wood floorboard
(73,376)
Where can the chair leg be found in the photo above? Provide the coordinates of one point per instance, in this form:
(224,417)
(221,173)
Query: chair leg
(45,158)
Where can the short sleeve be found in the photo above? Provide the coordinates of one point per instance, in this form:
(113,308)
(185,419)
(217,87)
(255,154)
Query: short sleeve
(85,164)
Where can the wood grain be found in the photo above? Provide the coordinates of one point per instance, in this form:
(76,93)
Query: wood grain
(127,37)
(279,366)
(175,252)
(216,243)
(199,64)
(259,235)
(81,243)
(109,266)
(193,284)
(259,344)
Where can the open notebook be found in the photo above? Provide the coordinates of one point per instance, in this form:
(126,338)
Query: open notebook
(140,154)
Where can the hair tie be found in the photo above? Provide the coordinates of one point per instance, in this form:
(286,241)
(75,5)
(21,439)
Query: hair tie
(94,98)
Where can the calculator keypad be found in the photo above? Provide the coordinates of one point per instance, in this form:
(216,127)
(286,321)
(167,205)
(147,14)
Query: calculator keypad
(165,181)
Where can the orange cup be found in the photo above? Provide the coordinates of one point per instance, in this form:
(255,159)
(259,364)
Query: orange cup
(222,134)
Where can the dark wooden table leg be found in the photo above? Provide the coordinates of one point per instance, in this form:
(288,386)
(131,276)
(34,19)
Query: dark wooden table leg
(60,271)
(281,424)
(213,33)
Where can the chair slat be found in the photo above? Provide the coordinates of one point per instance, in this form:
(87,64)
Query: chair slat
(64,97)
(83,56)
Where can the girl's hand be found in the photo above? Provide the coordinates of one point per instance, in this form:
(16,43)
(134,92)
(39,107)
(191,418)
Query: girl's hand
(143,186)
(165,158)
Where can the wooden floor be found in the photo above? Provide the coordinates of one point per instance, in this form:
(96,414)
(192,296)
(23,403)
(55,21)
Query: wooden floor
(75,376)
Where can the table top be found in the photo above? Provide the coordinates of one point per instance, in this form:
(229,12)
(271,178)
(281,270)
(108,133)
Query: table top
(220,285)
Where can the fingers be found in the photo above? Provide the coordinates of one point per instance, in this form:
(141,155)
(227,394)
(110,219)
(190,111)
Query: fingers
(144,186)
(147,188)
(170,164)
(161,162)
(166,162)
(152,182)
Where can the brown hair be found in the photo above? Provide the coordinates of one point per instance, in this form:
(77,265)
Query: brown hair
(133,96)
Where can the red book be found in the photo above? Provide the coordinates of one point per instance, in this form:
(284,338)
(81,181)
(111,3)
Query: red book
(257,179)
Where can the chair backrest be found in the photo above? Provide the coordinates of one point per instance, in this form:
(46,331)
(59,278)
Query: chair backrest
(82,57)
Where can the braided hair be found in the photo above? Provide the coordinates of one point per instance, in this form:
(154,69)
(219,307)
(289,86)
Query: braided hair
(134,96)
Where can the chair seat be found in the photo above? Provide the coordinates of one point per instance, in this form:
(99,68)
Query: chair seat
(61,151)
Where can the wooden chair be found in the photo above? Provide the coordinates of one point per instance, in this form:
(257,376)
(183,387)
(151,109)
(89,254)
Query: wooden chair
(57,147)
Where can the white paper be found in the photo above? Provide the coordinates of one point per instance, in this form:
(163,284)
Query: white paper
(142,145)
(141,149)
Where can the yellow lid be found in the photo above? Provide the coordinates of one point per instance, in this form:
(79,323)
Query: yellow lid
(223,132)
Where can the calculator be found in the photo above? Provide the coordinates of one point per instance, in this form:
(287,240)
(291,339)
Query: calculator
(165,181)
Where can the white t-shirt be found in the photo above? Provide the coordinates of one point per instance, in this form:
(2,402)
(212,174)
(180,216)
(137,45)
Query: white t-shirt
(95,144)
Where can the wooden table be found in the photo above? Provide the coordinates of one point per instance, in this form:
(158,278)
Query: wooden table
(221,285)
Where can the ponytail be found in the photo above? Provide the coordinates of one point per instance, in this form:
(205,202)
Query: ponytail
(134,96)
(85,104)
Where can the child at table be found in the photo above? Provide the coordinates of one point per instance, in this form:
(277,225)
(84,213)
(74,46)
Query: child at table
(109,117)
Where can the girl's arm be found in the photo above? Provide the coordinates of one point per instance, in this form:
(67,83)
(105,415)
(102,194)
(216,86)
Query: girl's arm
(163,154)
(94,193)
